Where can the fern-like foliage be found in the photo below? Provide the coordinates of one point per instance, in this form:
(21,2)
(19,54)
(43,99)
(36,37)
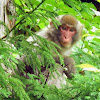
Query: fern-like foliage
(31,15)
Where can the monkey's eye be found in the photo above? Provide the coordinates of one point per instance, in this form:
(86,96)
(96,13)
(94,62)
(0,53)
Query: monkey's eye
(72,29)
(64,27)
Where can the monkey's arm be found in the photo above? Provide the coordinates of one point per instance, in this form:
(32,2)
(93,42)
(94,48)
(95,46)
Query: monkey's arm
(69,67)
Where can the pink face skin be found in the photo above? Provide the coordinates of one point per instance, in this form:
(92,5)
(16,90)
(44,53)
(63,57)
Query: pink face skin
(67,33)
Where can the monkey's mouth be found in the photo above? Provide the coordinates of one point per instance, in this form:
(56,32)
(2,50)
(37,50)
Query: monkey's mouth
(64,43)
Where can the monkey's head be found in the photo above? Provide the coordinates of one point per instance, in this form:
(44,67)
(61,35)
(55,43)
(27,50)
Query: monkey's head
(69,32)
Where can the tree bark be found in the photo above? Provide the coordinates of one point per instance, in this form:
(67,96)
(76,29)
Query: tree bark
(6,8)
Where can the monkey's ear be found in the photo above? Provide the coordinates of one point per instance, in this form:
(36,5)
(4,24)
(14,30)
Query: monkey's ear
(51,23)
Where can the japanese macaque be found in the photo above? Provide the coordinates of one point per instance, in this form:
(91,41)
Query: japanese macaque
(67,34)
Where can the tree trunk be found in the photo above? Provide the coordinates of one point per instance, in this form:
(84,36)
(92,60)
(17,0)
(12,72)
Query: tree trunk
(2,16)
(6,8)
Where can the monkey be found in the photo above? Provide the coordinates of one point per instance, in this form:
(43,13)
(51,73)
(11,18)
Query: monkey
(66,35)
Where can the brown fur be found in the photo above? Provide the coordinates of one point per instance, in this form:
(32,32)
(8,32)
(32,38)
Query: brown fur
(69,20)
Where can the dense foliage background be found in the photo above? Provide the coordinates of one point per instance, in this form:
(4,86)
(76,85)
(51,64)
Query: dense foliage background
(32,15)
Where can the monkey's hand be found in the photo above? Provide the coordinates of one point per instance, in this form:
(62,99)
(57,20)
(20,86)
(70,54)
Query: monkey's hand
(68,68)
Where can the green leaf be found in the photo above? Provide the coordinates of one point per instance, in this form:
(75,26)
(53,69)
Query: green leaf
(96,39)
(98,1)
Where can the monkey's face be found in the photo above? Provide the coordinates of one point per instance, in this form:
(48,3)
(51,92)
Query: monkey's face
(66,34)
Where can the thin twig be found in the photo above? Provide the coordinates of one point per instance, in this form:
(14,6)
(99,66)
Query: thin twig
(36,7)
(28,13)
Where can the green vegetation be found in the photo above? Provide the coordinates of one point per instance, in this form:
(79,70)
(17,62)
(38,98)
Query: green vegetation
(36,13)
